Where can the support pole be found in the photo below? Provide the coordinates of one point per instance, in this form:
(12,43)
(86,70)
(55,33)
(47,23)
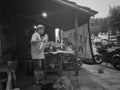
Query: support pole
(76,43)
(90,43)
(1,57)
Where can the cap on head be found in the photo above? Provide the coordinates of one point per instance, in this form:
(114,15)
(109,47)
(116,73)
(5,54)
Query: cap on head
(40,26)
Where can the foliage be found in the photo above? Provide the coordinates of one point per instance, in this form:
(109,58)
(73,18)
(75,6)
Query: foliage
(115,18)
(99,25)
(109,23)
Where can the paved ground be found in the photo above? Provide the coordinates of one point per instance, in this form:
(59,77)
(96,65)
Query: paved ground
(89,79)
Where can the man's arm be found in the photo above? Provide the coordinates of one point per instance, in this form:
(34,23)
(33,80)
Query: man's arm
(37,41)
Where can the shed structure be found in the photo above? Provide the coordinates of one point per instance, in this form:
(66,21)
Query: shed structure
(17,18)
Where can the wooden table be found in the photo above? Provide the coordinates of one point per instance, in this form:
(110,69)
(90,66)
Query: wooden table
(10,76)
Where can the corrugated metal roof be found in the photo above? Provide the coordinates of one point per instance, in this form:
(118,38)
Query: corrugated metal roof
(60,12)
(79,7)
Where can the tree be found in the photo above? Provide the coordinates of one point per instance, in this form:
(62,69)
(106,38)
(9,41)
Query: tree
(105,25)
(115,18)
(99,25)
(110,23)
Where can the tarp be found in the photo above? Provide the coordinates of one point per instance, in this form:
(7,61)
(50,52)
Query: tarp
(83,41)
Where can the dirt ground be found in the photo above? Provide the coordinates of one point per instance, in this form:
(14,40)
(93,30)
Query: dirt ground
(90,79)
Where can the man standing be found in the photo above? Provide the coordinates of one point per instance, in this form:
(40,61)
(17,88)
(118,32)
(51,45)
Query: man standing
(38,41)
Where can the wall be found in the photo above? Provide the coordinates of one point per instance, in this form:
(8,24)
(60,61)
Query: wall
(6,35)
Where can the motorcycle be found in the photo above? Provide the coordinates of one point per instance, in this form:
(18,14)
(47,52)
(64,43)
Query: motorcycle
(108,55)
(116,59)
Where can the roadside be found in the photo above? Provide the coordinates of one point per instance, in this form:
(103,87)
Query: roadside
(91,79)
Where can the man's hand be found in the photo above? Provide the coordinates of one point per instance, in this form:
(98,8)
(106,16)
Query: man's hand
(42,40)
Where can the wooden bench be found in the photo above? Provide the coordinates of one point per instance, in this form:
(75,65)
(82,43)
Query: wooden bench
(10,77)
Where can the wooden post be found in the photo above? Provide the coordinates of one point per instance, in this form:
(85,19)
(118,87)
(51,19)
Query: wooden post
(76,43)
(9,81)
(1,58)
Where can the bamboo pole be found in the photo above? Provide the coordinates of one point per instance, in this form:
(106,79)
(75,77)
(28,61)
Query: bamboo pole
(90,43)
(76,43)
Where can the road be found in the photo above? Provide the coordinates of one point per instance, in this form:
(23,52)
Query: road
(90,79)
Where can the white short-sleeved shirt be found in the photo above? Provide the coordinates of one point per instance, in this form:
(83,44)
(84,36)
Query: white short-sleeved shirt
(36,52)
(43,44)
